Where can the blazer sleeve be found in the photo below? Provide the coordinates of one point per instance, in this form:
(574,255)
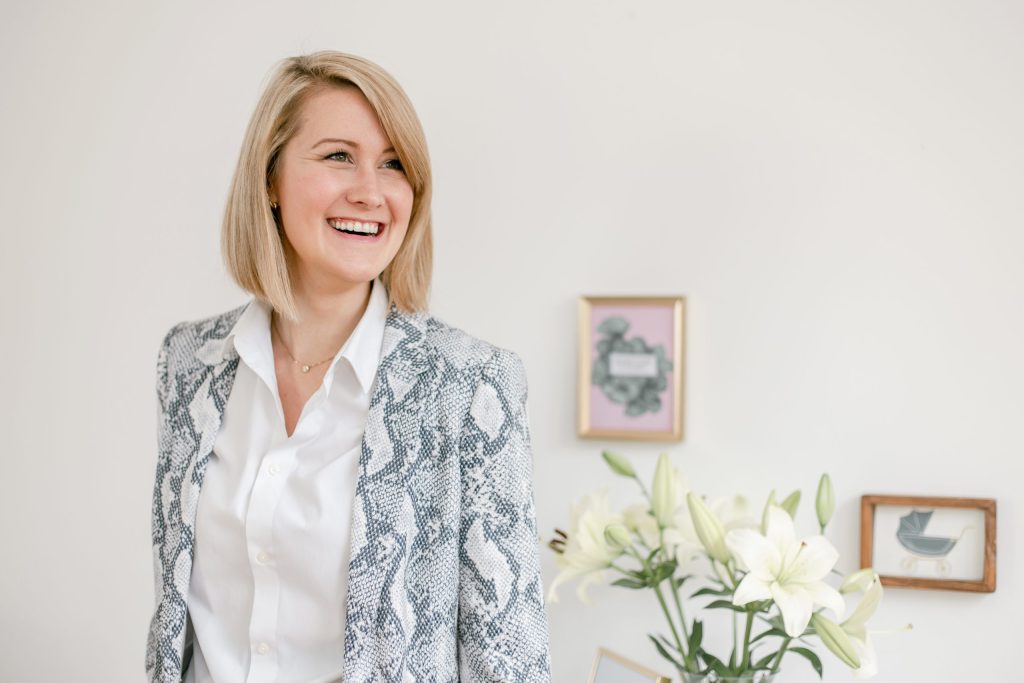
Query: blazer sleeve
(502,625)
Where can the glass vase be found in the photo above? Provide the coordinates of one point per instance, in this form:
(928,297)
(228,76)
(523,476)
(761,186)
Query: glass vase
(757,677)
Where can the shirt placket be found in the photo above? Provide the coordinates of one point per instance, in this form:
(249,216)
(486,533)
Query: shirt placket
(269,492)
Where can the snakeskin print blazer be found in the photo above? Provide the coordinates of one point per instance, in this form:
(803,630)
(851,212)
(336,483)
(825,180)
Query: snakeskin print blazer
(444,580)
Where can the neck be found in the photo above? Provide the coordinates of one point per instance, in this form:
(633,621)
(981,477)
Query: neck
(326,320)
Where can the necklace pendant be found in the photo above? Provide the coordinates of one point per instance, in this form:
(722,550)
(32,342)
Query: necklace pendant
(305,368)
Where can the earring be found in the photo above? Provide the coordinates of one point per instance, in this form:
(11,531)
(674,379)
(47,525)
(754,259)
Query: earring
(273,205)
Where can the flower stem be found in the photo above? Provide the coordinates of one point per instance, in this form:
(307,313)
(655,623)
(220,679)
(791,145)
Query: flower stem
(746,641)
(679,607)
(643,488)
(672,625)
(778,658)
(732,655)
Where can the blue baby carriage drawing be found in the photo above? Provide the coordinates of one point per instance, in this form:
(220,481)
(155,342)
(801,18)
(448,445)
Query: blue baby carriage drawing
(924,548)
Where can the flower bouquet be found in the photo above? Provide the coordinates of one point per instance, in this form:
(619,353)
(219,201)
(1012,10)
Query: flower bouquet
(770,582)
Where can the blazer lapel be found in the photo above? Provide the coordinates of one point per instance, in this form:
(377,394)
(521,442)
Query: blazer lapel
(373,632)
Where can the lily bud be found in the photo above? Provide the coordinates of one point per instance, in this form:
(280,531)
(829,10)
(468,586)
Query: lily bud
(835,639)
(617,536)
(619,464)
(764,515)
(858,581)
(791,503)
(709,528)
(663,492)
(825,502)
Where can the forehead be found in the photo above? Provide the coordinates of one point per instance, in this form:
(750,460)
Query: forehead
(340,112)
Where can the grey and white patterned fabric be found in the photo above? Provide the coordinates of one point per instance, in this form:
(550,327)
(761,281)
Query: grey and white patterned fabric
(444,578)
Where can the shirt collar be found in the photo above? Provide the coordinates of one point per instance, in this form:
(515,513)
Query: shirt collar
(250,337)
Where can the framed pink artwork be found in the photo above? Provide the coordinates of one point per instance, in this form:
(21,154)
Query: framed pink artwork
(631,367)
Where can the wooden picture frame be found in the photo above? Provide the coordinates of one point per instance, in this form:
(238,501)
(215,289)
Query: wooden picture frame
(610,667)
(930,542)
(631,367)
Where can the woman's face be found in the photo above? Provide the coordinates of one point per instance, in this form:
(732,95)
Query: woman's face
(339,175)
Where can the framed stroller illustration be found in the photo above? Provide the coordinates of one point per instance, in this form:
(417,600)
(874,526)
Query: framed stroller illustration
(631,368)
(929,542)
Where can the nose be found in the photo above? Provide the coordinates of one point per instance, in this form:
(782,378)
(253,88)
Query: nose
(365,190)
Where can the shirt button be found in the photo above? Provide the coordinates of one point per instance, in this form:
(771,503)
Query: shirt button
(262,557)
(262,649)
(274,469)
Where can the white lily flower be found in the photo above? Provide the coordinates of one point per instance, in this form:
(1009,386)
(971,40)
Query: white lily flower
(587,552)
(786,570)
(640,521)
(680,546)
(734,512)
(856,628)
(679,538)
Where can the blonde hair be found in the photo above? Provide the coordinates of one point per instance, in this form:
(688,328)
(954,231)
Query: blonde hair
(250,240)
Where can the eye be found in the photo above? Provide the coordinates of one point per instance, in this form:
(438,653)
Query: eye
(395,164)
(341,154)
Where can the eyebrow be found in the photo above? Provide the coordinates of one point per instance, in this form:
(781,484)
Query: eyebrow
(350,143)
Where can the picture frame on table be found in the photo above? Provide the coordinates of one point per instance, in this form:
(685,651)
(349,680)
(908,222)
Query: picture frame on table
(930,542)
(631,369)
(610,667)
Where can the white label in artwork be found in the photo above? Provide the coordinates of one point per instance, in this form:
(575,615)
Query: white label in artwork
(633,364)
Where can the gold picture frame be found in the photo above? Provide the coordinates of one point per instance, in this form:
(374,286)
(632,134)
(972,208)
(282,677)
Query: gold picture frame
(610,667)
(631,367)
(940,543)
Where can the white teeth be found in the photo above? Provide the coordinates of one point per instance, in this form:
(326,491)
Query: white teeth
(356,226)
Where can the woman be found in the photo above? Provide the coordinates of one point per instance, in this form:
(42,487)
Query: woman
(343,483)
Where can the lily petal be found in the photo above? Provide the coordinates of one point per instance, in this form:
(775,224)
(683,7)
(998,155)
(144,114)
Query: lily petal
(865,609)
(749,590)
(868,658)
(761,558)
(779,529)
(815,560)
(827,596)
(796,605)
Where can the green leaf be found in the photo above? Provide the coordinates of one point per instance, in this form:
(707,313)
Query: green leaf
(664,653)
(629,583)
(765,662)
(712,591)
(696,635)
(725,604)
(682,579)
(715,664)
(775,622)
(663,571)
(810,657)
(791,503)
(768,634)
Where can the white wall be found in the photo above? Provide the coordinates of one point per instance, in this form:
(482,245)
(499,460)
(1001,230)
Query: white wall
(835,186)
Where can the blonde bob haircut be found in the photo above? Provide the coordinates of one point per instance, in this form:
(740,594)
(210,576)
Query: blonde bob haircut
(251,240)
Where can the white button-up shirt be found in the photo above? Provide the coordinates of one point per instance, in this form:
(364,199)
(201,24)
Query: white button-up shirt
(269,582)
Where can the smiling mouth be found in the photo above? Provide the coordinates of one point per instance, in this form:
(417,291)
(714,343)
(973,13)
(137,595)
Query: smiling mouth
(364,229)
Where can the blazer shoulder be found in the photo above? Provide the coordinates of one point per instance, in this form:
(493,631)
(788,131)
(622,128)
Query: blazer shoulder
(186,337)
(463,351)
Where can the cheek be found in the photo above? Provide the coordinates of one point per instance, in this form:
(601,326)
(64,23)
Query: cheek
(312,191)
(402,201)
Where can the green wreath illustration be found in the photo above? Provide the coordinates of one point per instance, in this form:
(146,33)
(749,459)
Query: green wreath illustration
(638,394)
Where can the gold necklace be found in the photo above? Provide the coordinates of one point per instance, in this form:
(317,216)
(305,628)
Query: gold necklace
(304,366)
